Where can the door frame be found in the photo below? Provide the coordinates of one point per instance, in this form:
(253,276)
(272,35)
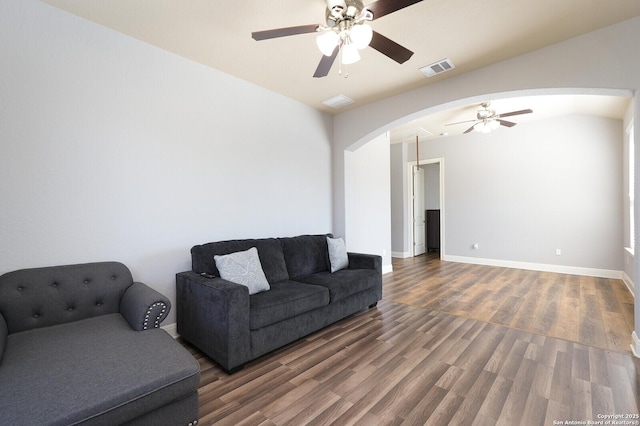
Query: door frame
(410,231)
(416,195)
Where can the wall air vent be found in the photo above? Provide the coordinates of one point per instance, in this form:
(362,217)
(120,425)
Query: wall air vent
(437,68)
(338,101)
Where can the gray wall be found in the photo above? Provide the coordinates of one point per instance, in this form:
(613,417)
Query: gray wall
(431,186)
(398,174)
(628,255)
(368,210)
(111,149)
(520,193)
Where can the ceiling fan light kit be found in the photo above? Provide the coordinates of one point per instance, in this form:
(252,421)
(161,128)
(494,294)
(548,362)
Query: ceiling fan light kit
(347,31)
(486,126)
(487,120)
(327,42)
(361,35)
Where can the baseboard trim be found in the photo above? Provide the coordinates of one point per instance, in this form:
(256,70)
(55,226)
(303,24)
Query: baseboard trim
(543,267)
(172,329)
(387,269)
(629,282)
(400,254)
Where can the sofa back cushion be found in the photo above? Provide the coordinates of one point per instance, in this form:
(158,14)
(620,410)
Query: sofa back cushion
(41,297)
(306,254)
(269,251)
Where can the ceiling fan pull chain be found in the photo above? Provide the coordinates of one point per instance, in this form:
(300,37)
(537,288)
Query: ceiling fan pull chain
(346,74)
(340,63)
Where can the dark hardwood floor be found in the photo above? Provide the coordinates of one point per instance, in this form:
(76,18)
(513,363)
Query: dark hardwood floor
(593,311)
(449,344)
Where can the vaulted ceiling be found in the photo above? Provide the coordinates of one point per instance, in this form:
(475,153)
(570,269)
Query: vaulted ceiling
(471,34)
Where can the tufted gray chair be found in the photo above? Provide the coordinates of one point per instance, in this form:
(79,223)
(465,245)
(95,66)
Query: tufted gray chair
(81,344)
(41,297)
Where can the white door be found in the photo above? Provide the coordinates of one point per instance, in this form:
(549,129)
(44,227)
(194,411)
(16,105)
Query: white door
(419,237)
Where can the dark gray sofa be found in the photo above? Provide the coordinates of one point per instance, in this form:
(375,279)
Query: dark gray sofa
(81,344)
(232,327)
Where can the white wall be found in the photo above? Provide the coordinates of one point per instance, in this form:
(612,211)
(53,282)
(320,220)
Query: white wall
(628,256)
(368,207)
(432,186)
(399,225)
(111,149)
(520,193)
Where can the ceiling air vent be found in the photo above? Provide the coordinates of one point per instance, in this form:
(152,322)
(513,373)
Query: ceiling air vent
(338,101)
(437,67)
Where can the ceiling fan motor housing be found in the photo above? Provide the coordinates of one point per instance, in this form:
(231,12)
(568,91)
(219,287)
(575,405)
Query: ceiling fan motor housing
(486,113)
(342,10)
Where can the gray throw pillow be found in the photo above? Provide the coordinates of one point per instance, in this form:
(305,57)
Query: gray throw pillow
(244,268)
(337,254)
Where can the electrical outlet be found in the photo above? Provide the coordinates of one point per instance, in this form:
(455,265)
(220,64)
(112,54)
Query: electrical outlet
(558,252)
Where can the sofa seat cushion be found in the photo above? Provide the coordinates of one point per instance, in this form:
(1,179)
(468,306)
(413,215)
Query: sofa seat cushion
(343,283)
(286,299)
(96,370)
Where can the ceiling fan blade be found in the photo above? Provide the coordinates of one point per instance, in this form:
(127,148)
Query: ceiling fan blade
(469,129)
(381,8)
(284,32)
(509,114)
(506,123)
(459,122)
(390,48)
(326,63)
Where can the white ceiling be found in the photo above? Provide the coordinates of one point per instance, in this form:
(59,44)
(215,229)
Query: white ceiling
(470,33)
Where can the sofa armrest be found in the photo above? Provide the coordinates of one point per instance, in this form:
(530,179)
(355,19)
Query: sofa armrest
(4,332)
(143,307)
(213,314)
(365,261)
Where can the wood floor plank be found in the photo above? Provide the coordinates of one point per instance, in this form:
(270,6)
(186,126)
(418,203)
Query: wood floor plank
(581,404)
(445,410)
(535,358)
(474,398)
(615,328)
(399,401)
(535,410)
(495,398)
(560,391)
(516,401)
(426,407)
(568,321)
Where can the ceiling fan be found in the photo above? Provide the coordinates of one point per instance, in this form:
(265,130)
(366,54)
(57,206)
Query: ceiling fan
(346,31)
(487,119)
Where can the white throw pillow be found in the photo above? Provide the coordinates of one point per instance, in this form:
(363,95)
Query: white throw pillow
(337,254)
(244,268)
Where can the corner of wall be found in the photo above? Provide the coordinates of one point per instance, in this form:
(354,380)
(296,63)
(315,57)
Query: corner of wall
(629,283)
(635,345)
(172,329)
